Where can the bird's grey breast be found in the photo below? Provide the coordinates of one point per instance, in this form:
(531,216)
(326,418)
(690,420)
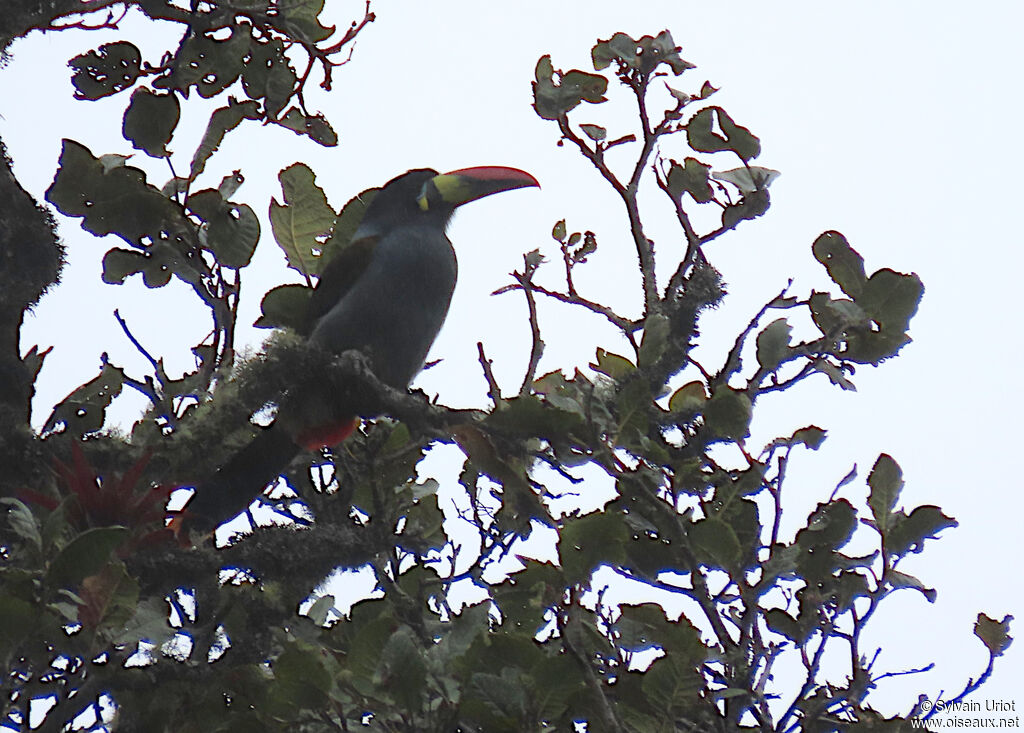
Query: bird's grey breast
(395,310)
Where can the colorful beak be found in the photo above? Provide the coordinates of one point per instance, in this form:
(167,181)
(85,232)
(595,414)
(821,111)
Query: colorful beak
(469,184)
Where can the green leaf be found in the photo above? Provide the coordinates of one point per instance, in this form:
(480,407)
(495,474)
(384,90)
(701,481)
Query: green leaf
(84,410)
(749,179)
(320,611)
(830,525)
(526,595)
(902,580)
(706,90)
(368,630)
(230,184)
(693,178)
(594,132)
(716,543)
(19,620)
(741,141)
(773,344)
(595,539)
(555,684)
(346,225)
(301,676)
(782,562)
(284,307)
(633,405)
(423,525)
(553,100)
(727,414)
(750,206)
(673,686)
(907,533)
(612,365)
(782,623)
(836,317)
(294,120)
(403,667)
(302,220)
(886,481)
(209,64)
(645,625)
(462,630)
(688,398)
(529,416)
(109,69)
(85,555)
(812,436)
(844,265)
(701,136)
(155,264)
(994,634)
(501,696)
(317,127)
(149,622)
(657,329)
(558,231)
(150,120)
(746,483)
(643,54)
(232,230)
(112,201)
(743,517)
(835,375)
(301,18)
(222,121)
(233,235)
(849,587)
(22,522)
(874,347)
(681,97)
(620,47)
(268,74)
(891,299)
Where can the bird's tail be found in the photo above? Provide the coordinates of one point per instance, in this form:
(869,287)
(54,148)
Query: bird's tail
(235,484)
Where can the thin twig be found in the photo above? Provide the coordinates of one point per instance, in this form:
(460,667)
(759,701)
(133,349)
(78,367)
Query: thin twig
(493,390)
(732,361)
(628,327)
(135,342)
(536,345)
(627,193)
(693,240)
(916,670)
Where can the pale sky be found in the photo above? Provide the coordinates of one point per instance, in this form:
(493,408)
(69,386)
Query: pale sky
(894,123)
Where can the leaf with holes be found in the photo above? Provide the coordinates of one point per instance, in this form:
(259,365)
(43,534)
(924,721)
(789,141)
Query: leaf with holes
(109,69)
(553,100)
(304,220)
(84,410)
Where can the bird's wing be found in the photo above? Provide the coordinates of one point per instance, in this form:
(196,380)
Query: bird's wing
(338,277)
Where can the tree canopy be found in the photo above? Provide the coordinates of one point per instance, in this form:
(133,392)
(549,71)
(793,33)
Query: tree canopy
(110,620)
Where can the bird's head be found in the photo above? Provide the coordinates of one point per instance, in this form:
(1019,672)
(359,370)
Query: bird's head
(425,194)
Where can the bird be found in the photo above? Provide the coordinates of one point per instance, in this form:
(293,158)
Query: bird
(386,295)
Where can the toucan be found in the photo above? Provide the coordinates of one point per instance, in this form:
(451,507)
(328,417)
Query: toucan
(386,295)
